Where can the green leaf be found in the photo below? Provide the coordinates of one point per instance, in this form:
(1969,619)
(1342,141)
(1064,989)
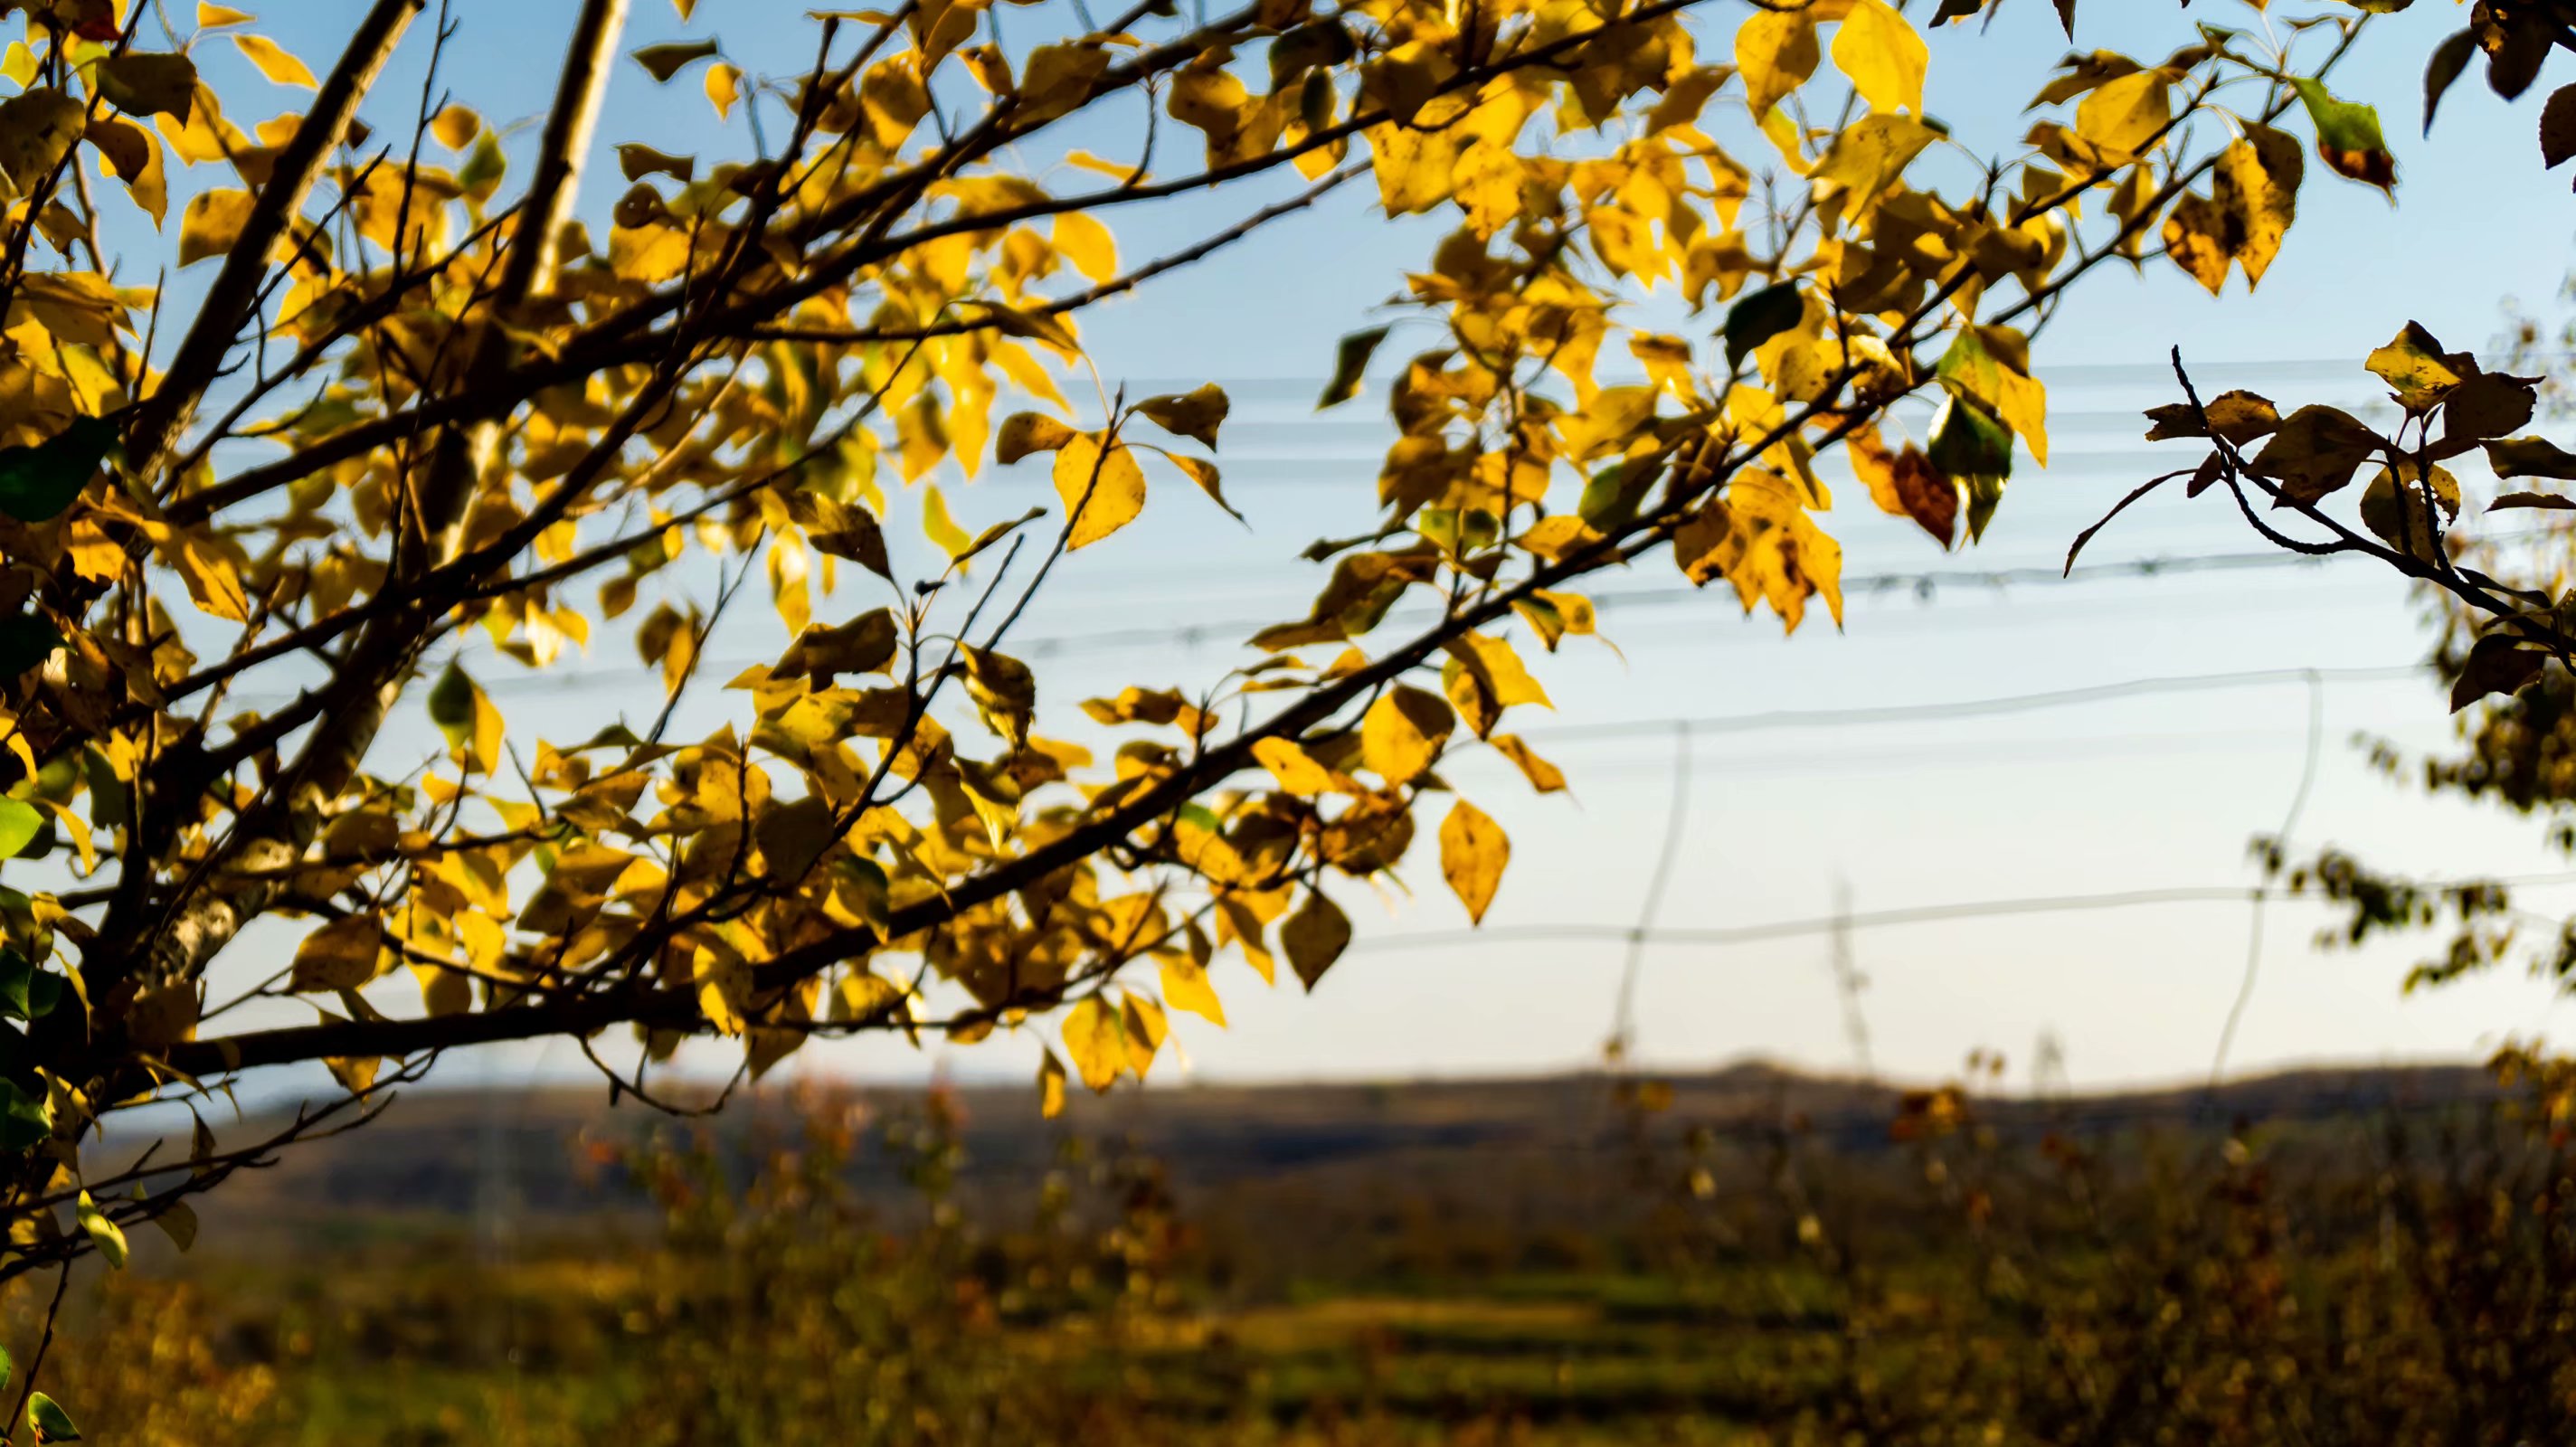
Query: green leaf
(2348,135)
(51,1422)
(1349,361)
(111,801)
(105,1234)
(26,992)
(1998,387)
(484,166)
(19,824)
(1972,447)
(37,483)
(1610,498)
(865,891)
(1758,316)
(26,641)
(16,974)
(451,705)
(25,1120)
(141,83)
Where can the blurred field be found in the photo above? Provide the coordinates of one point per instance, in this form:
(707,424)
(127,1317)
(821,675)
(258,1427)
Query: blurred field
(1748,1257)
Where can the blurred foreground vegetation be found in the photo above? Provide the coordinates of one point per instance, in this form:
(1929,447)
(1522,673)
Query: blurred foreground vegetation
(1954,1274)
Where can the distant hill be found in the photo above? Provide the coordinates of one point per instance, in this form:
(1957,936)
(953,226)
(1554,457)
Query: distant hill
(1300,1163)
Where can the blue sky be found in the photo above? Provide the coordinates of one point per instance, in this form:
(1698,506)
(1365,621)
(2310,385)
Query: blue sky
(2140,793)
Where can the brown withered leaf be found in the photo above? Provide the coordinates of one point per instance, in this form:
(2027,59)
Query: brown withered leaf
(2315,452)
(2497,663)
(2242,417)
(1907,485)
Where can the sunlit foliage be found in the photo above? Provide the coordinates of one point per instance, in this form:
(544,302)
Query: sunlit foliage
(418,426)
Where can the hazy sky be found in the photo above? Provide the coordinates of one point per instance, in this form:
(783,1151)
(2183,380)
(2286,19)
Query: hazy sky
(2141,793)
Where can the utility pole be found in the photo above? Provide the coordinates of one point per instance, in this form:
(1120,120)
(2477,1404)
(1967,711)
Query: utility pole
(1848,982)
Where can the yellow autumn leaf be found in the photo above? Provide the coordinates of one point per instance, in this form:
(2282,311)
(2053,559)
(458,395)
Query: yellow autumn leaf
(274,61)
(1097,1042)
(720,991)
(443,991)
(1500,669)
(211,224)
(341,955)
(864,995)
(1141,1022)
(1025,432)
(724,87)
(1473,852)
(1210,481)
(1101,491)
(1775,51)
(1295,770)
(1883,56)
(1081,239)
(1868,157)
(939,527)
(1402,732)
(2258,180)
(1574,612)
(456,127)
(213,581)
(125,147)
(1195,414)
(2197,235)
(2123,115)
(488,733)
(1543,776)
(1050,1084)
(1186,987)
(38,128)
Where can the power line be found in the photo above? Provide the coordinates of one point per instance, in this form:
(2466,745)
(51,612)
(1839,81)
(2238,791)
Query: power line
(1304,385)
(1576,933)
(1927,586)
(2016,754)
(1976,707)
